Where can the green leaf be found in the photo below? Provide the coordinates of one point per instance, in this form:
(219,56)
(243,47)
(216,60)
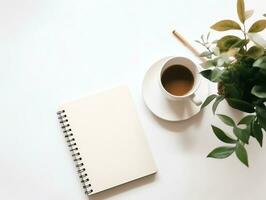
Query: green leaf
(216,50)
(256,129)
(208,100)
(227,78)
(261,63)
(199,42)
(240,105)
(207,64)
(212,75)
(247,119)
(216,103)
(258,26)
(221,152)
(259,91)
(226,42)
(206,74)
(250,126)
(216,73)
(227,120)
(226,25)
(205,54)
(240,44)
(255,52)
(248,13)
(202,38)
(242,134)
(222,135)
(208,36)
(241,10)
(230,90)
(261,115)
(241,153)
(264,15)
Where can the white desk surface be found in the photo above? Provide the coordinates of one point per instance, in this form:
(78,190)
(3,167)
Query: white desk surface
(55,50)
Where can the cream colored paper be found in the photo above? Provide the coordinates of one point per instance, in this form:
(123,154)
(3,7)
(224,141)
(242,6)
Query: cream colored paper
(110,138)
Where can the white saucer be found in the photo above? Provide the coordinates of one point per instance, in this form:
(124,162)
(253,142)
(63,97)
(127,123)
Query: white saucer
(160,105)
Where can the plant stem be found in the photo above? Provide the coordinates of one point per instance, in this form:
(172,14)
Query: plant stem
(208,48)
(245,35)
(205,44)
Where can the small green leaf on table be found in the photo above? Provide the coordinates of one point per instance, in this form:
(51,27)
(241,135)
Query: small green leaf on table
(227,120)
(221,135)
(242,134)
(225,25)
(240,105)
(208,100)
(247,119)
(216,103)
(221,152)
(241,153)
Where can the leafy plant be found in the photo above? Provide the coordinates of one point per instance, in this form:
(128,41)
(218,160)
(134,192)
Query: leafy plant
(238,65)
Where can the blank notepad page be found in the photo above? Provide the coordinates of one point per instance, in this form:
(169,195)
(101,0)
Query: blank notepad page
(109,138)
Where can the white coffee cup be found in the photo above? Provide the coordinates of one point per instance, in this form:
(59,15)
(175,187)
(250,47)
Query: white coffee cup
(190,95)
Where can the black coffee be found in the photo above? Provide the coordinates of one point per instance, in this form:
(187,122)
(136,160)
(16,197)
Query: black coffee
(177,80)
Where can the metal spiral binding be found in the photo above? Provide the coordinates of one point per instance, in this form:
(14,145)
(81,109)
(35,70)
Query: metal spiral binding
(74,150)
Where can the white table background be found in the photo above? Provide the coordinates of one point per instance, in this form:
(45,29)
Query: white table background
(56,50)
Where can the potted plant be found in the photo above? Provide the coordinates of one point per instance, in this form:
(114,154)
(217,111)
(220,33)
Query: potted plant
(238,65)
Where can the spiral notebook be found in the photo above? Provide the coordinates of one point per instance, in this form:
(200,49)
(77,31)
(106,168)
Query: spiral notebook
(106,140)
